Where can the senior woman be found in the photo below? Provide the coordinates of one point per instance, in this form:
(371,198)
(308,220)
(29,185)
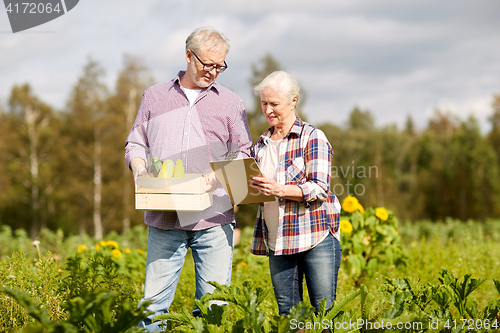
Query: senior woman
(299,231)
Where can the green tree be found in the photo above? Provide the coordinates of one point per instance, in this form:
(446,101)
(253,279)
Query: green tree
(87,124)
(481,194)
(457,170)
(361,120)
(132,80)
(443,123)
(410,126)
(32,137)
(494,134)
(4,177)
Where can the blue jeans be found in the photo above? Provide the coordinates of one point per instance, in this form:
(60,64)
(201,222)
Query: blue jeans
(319,265)
(212,251)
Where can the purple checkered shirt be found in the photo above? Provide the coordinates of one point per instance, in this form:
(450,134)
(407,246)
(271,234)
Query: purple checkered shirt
(215,128)
(306,164)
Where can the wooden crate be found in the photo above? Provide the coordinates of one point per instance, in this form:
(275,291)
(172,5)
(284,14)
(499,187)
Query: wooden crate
(173,194)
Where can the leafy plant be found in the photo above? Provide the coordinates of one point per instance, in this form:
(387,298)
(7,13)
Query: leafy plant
(327,317)
(369,239)
(94,313)
(100,271)
(430,304)
(37,278)
(246,298)
(459,294)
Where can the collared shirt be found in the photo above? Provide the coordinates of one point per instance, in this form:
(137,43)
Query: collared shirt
(214,128)
(306,164)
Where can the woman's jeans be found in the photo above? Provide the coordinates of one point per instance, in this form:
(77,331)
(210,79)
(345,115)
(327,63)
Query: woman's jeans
(212,251)
(319,265)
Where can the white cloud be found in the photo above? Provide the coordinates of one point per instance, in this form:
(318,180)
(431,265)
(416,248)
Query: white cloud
(394,58)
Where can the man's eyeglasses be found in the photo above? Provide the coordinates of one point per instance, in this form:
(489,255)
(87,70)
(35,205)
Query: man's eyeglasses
(209,68)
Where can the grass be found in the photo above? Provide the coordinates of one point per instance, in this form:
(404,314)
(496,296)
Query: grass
(431,247)
(461,248)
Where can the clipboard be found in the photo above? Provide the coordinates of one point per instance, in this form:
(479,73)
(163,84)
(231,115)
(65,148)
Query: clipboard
(234,176)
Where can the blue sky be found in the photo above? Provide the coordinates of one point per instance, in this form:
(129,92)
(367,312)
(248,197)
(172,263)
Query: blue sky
(395,58)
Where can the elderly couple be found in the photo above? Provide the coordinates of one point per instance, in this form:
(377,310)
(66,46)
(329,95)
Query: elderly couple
(195,119)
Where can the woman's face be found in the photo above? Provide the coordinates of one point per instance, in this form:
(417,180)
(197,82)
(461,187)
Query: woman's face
(278,109)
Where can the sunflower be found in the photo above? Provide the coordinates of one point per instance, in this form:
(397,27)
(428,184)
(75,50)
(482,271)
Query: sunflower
(345,226)
(381,213)
(81,248)
(112,243)
(350,204)
(116,253)
(360,208)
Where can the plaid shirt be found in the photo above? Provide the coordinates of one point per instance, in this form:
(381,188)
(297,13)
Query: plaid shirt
(214,128)
(302,225)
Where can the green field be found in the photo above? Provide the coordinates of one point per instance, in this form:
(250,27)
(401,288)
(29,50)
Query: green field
(62,275)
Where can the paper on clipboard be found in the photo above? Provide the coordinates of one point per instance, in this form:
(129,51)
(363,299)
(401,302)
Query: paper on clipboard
(234,176)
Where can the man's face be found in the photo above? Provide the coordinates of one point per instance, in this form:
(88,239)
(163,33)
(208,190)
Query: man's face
(201,78)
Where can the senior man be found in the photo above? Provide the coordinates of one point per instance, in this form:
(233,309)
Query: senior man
(195,119)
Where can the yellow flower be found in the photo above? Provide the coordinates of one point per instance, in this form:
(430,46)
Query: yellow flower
(242,264)
(381,213)
(112,243)
(345,226)
(127,250)
(140,251)
(81,248)
(102,243)
(116,253)
(97,247)
(360,208)
(350,204)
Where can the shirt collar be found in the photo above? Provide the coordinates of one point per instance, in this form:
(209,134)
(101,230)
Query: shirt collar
(214,85)
(295,130)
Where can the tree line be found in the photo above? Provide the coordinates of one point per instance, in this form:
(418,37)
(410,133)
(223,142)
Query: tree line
(64,169)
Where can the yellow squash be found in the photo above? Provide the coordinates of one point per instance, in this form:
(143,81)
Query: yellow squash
(167,169)
(179,169)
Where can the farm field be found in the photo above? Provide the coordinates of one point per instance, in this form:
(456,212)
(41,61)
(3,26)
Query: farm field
(71,275)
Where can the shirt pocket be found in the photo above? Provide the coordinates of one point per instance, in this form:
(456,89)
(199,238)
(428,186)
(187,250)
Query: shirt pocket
(295,170)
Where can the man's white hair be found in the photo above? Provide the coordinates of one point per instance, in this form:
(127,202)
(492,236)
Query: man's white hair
(199,37)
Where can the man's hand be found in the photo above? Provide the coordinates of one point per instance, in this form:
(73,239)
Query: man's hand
(211,179)
(138,166)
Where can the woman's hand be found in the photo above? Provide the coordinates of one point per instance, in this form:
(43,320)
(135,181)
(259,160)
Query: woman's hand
(266,186)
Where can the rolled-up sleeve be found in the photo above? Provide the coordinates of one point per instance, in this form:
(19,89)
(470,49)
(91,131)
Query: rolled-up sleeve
(136,144)
(240,134)
(317,159)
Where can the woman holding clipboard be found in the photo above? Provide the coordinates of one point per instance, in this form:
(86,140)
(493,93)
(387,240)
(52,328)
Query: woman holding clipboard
(299,231)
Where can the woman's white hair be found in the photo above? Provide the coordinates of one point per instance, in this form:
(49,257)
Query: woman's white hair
(282,81)
(199,37)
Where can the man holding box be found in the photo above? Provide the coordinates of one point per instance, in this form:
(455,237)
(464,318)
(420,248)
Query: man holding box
(196,120)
